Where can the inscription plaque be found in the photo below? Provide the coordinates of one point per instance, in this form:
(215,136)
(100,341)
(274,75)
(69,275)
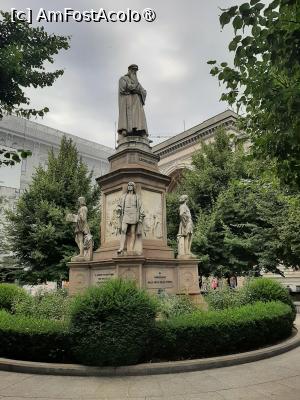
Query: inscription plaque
(159,279)
(103,275)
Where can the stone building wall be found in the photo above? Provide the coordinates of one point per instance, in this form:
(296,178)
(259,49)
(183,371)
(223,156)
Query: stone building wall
(19,133)
(176,153)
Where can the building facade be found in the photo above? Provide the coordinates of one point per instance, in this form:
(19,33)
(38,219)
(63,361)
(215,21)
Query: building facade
(176,153)
(20,133)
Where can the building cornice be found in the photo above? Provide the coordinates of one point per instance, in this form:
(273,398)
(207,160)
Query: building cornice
(192,136)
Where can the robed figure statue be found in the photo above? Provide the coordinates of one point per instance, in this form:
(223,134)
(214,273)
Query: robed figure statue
(185,232)
(83,237)
(132,96)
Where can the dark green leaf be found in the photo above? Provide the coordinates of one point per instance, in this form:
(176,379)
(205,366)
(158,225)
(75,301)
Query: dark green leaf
(237,22)
(224,19)
(259,6)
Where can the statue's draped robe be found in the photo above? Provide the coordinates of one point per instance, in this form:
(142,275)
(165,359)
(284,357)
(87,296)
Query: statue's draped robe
(186,223)
(131,111)
(81,224)
(82,227)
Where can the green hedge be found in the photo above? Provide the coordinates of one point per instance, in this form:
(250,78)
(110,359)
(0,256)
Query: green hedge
(111,324)
(45,305)
(206,334)
(254,289)
(33,339)
(9,293)
(266,289)
(114,325)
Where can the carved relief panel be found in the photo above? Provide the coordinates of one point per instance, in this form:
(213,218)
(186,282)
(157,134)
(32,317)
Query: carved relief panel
(111,217)
(153,222)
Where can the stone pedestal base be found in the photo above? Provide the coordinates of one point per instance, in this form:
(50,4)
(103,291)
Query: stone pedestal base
(169,275)
(156,269)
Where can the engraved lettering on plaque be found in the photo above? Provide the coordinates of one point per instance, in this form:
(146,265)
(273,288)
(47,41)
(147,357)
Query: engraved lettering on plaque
(159,279)
(103,276)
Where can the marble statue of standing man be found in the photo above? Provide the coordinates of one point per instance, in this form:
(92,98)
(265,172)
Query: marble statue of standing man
(131,214)
(83,237)
(185,232)
(132,96)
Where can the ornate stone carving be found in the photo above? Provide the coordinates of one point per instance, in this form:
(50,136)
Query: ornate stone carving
(152,227)
(112,218)
(83,236)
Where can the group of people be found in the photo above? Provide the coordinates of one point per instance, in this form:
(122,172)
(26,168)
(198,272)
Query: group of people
(215,283)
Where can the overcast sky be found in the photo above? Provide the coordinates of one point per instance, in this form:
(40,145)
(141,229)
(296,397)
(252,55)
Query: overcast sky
(171,53)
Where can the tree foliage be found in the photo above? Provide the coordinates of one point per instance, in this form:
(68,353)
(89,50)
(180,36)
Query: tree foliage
(242,234)
(265,79)
(245,221)
(39,235)
(213,167)
(23,51)
(11,157)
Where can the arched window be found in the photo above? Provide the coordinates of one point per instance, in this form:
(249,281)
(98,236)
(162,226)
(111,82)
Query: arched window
(175,179)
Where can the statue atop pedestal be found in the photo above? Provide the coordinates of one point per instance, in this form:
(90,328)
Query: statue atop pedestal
(131,215)
(132,96)
(186,227)
(83,237)
(133,235)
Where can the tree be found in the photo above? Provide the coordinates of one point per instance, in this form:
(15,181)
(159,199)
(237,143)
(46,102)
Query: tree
(245,220)
(8,264)
(265,79)
(11,157)
(23,52)
(40,237)
(289,233)
(213,167)
(242,234)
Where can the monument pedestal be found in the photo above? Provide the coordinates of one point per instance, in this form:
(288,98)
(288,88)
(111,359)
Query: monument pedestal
(156,276)
(156,268)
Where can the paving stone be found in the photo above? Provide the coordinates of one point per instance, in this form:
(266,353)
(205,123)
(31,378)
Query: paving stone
(277,378)
(8,378)
(245,393)
(293,382)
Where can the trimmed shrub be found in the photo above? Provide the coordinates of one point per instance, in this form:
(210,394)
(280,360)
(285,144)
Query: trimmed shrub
(9,293)
(214,333)
(256,289)
(223,298)
(33,339)
(174,305)
(264,289)
(111,323)
(47,305)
